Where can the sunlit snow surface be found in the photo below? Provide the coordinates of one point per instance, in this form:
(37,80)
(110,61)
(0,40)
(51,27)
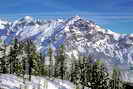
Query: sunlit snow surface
(13,82)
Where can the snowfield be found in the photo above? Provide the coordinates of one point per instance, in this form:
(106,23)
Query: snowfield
(13,82)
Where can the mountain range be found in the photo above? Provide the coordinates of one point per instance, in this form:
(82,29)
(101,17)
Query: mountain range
(79,36)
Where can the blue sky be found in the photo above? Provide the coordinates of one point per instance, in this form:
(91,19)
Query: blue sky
(116,15)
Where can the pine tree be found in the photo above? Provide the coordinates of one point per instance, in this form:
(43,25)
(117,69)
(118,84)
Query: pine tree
(62,62)
(23,68)
(43,67)
(96,76)
(35,66)
(3,66)
(3,61)
(89,71)
(5,57)
(42,58)
(13,60)
(60,65)
(50,52)
(56,66)
(28,50)
(72,73)
(100,76)
(115,82)
(83,70)
(75,73)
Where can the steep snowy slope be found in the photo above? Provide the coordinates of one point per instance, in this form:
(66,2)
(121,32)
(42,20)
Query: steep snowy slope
(80,37)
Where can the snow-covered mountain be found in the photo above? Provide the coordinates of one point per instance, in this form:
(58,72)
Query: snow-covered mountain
(80,37)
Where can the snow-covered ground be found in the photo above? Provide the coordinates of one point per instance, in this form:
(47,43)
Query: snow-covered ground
(13,82)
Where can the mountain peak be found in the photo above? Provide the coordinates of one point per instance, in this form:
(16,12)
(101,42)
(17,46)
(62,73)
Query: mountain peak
(28,18)
(73,19)
(77,17)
